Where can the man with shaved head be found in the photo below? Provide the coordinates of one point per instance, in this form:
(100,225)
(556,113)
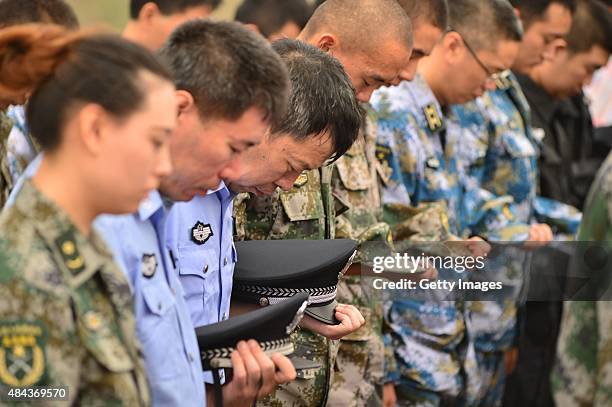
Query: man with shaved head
(372,38)
(359,375)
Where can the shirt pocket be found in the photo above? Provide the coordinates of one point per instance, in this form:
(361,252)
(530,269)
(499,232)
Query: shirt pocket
(158,330)
(354,172)
(196,265)
(100,337)
(435,322)
(517,147)
(437,182)
(473,152)
(305,202)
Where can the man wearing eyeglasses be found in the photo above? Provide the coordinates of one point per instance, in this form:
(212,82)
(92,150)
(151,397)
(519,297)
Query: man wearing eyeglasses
(435,356)
(503,159)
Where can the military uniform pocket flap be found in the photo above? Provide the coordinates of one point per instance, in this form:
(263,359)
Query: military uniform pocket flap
(354,172)
(103,343)
(302,204)
(517,146)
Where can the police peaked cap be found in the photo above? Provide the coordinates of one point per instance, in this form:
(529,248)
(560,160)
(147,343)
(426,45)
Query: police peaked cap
(270,326)
(270,271)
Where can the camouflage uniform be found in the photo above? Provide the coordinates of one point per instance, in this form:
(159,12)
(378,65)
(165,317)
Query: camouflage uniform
(66,314)
(435,356)
(509,160)
(304,212)
(512,153)
(582,375)
(358,380)
(21,147)
(6,181)
(499,152)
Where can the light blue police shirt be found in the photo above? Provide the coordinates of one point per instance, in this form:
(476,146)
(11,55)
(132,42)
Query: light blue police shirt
(163,323)
(199,234)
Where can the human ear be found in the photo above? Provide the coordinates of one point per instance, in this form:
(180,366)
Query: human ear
(185,102)
(148,13)
(327,42)
(454,47)
(92,119)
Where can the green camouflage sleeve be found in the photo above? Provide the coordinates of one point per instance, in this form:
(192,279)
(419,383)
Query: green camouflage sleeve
(582,374)
(38,339)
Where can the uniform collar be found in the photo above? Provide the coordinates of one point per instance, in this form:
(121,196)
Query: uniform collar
(56,228)
(420,85)
(539,100)
(151,205)
(219,188)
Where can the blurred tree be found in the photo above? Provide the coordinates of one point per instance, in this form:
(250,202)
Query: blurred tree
(114,13)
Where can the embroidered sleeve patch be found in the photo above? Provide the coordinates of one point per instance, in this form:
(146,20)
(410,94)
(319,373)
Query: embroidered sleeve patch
(22,357)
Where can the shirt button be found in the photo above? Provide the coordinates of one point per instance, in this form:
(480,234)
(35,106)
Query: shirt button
(225,261)
(224,317)
(191,359)
(159,306)
(206,269)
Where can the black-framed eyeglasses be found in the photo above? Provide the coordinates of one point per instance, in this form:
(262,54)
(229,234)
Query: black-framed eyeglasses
(492,76)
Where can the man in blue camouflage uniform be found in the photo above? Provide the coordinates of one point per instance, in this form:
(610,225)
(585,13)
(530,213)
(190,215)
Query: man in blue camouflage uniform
(435,355)
(500,152)
(492,320)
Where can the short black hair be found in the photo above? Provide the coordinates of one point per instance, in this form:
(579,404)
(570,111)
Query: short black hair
(13,12)
(592,25)
(484,23)
(322,97)
(349,19)
(168,7)
(271,15)
(62,68)
(434,12)
(227,69)
(535,10)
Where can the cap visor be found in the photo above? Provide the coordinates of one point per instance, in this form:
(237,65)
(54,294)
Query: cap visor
(324,313)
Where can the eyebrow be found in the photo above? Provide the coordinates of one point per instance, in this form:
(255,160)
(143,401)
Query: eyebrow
(304,166)
(162,129)
(248,143)
(381,79)
(555,35)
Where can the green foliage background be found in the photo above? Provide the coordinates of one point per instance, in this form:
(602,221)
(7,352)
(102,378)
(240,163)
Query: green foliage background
(114,13)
